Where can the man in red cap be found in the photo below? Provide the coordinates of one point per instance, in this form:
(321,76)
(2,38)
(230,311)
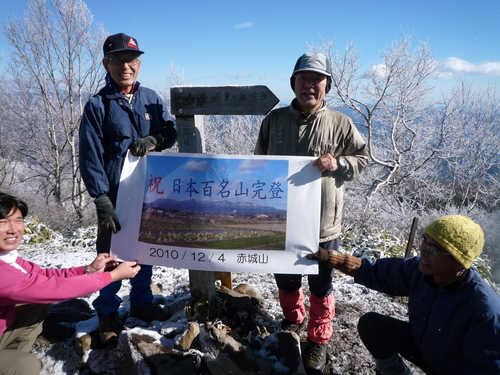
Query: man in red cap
(122,116)
(309,128)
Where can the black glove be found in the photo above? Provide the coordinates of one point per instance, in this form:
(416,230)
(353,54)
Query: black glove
(321,255)
(106,214)
(141,146)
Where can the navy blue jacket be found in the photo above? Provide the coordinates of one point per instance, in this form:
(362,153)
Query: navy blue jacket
(457,330)
(109,126)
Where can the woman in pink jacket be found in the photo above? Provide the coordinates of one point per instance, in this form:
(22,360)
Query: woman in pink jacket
(26,290)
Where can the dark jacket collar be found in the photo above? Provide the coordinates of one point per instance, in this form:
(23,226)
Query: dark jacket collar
(113,92)
(453,285)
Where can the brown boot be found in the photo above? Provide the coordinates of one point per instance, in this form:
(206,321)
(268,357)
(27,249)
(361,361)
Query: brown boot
(108,328)
(315,356)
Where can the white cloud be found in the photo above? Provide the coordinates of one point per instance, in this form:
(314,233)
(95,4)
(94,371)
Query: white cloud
(251,165)
(379,70)
(243,25)
(195,166)
(451,66)
(376,70)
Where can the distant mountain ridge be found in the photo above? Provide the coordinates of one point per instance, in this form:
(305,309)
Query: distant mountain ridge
(211,207)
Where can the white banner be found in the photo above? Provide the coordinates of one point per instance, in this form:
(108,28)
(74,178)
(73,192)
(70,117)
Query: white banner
(219,212)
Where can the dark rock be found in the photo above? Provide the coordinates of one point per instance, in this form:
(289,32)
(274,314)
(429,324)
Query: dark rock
(284,348)
(140,354)
(103,361)
(239,309)
(178,304)
(162,360)
(225,355)
(129,360)
(62,317)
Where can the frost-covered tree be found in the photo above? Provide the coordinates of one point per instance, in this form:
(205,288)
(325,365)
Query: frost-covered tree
(470,164)
(54,67)
(424,153)
(7,161)
(232,135)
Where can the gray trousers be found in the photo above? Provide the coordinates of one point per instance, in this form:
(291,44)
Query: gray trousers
(18,339)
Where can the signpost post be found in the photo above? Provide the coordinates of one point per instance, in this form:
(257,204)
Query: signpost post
(188,103)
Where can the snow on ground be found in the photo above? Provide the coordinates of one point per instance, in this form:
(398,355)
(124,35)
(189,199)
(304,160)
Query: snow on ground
(347,354)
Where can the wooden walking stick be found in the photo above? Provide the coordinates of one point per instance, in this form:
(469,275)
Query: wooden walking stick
(413,230)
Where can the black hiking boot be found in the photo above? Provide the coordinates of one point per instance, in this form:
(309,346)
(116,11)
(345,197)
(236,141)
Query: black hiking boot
(298,328)
(315,357)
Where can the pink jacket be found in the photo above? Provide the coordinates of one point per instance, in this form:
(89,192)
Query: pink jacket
(40,285)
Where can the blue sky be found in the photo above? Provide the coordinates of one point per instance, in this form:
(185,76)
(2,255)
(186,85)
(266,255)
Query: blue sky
(263,182)
(257,42)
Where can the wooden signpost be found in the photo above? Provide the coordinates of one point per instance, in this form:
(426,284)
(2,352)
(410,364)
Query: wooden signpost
(221,100)
(188,103)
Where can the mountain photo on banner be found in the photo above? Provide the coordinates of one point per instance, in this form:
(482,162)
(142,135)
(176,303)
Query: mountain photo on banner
(216,203)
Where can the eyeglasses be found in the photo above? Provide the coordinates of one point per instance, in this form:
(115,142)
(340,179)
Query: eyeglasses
(307,78)
(430,250)
(120,61)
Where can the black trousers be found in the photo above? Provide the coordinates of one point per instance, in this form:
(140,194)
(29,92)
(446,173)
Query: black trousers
(319,285)
(384,336)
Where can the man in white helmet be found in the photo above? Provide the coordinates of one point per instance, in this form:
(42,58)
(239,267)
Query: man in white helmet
(309,128)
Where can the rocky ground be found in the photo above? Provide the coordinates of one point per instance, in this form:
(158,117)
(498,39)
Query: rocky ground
(253,345)
(143,348)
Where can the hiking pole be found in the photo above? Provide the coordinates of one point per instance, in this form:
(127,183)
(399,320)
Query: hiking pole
(413,230)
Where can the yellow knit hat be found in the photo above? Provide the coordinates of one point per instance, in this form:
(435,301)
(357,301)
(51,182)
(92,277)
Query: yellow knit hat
(460,236)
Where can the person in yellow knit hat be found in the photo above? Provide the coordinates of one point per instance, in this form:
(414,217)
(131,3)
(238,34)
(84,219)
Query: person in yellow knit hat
(454,315)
